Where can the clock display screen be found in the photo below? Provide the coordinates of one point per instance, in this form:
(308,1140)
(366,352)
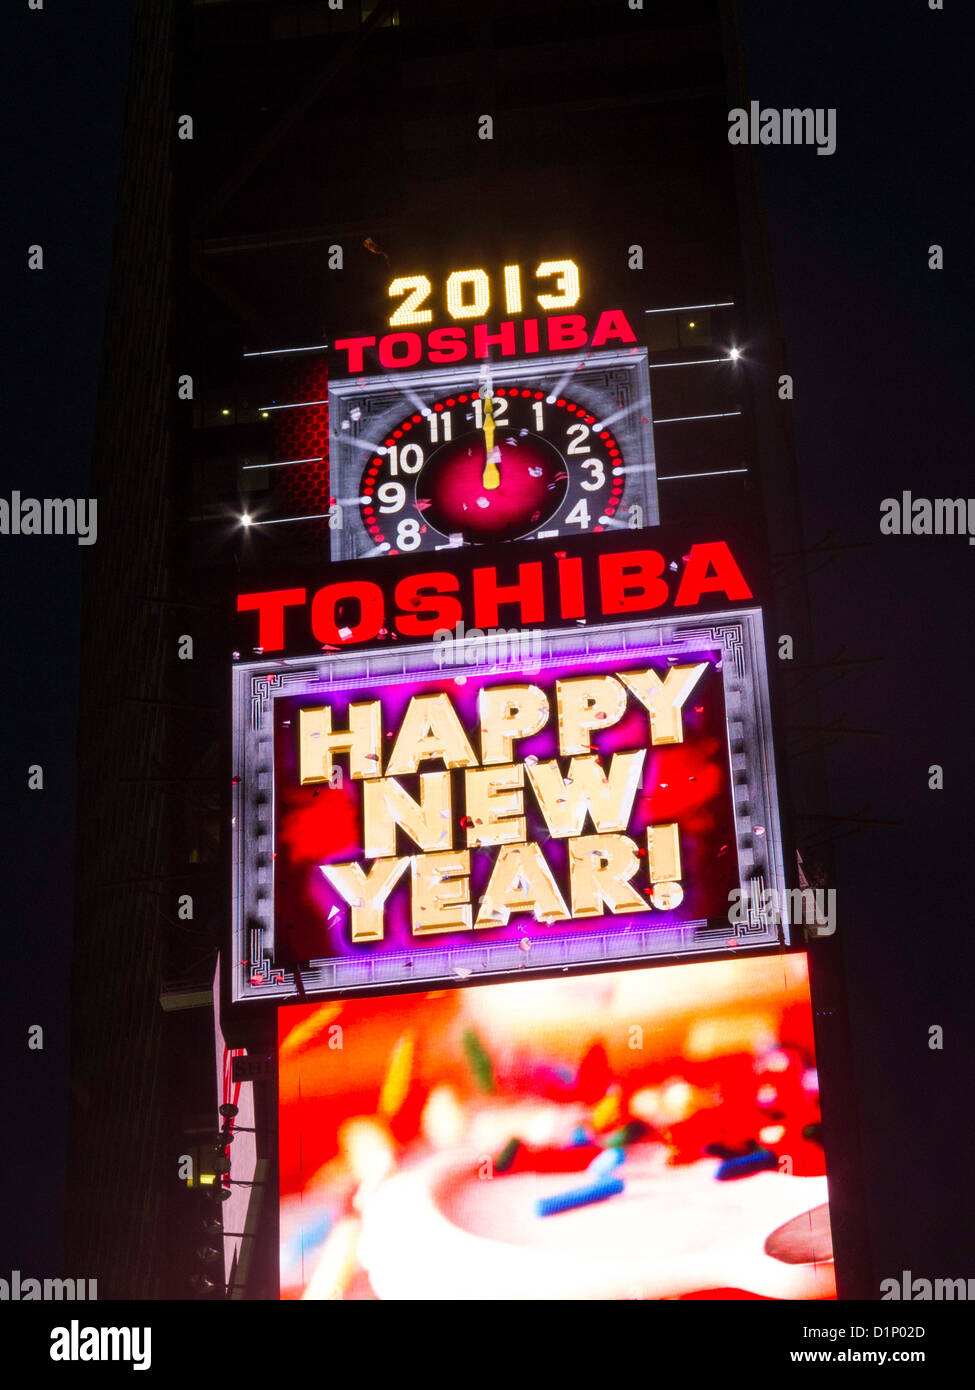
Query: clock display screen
(476,468)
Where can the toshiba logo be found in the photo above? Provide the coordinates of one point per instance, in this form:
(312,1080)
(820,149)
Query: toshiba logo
(561,588)
(558,333)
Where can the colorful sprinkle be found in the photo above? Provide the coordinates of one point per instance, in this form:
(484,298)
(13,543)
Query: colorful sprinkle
(396,1083)
(743,1167)
(506,1157)
(606,1161)
(579,1197)
(629,1134)
(479,1061)
(608,1113)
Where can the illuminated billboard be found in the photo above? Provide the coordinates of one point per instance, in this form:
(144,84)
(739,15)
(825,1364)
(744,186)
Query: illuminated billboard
(458,427)
(504,801)
(648,1134)
(546,447)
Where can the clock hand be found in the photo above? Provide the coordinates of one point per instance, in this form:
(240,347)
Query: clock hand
(491,478)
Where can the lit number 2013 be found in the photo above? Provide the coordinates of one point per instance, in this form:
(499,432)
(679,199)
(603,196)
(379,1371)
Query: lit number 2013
(468,292)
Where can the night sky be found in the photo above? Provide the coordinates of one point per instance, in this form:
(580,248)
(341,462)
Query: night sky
(66,91)
(880,350)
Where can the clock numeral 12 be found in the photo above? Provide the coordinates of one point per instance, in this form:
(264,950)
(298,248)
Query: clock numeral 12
(499,411)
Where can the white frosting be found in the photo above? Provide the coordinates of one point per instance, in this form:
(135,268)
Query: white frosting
(437,1231)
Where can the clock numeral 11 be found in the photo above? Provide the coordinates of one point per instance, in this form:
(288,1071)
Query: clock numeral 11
(435,422)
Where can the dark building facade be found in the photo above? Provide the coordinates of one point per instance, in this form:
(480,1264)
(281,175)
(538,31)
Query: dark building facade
(328,151)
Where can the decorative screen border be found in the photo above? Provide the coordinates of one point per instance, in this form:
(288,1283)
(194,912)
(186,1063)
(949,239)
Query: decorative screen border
(737,637)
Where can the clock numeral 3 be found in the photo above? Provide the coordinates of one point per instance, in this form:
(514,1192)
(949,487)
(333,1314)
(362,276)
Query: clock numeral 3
(598,475)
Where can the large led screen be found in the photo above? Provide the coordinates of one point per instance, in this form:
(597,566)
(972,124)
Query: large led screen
(506,803)
(646,1133)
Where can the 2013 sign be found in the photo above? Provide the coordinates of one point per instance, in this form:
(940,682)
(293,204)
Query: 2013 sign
(468,292)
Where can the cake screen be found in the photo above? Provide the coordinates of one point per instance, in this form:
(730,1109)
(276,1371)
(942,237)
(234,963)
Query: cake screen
(644,1134)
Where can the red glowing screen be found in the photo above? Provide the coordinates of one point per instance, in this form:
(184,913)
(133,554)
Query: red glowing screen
(523,879)
(646,1133)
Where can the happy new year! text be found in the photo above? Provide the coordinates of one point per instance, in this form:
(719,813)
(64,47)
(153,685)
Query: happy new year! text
(602,866)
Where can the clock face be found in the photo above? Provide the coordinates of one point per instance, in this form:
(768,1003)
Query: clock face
(476,467)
